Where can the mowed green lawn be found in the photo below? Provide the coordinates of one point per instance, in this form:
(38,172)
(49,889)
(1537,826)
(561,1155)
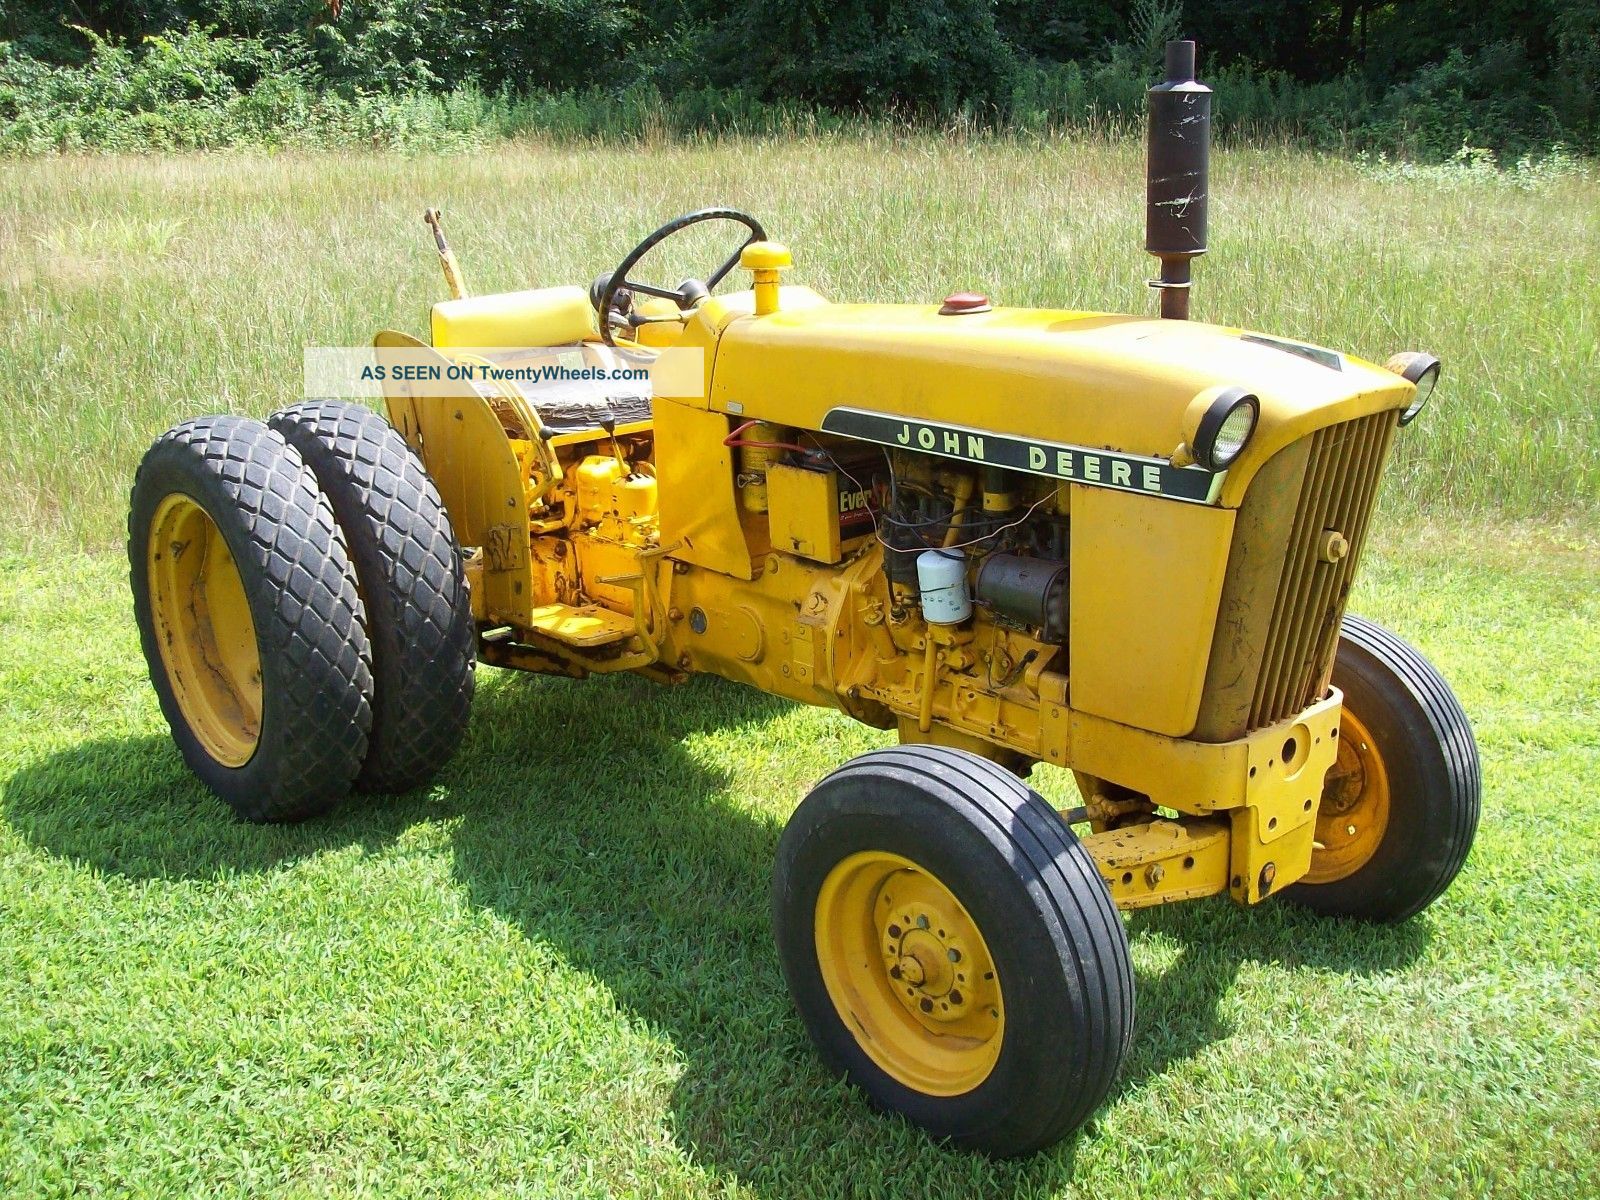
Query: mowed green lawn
(551,974)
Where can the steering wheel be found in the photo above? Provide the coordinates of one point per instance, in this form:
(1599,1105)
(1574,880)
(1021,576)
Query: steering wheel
(683,297)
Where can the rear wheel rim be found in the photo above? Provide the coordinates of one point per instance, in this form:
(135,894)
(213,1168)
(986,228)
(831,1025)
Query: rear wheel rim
(204,629)
(1354,813)
(909,973)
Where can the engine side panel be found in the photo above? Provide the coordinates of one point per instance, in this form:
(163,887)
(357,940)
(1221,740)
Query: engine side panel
(700,515)
(1146,582)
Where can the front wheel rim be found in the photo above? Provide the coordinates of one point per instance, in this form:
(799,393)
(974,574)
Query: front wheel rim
(1354,813)
(204,629)
(909,973)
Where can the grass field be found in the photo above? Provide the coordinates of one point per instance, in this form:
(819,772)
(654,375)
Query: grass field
(551,974)
(140,290)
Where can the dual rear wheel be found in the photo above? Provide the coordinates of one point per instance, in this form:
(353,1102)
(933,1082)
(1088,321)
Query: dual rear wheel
(302,606)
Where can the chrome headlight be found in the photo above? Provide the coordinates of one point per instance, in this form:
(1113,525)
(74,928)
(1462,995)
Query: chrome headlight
(1225,429)
(1420,370)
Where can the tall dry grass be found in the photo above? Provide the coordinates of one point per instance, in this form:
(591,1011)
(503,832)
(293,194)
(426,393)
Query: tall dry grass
(137,291)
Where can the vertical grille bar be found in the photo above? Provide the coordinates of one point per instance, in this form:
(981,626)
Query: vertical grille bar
(1341,484)
(1343,451)
(1299,566)
(1332,587)
(1363,499)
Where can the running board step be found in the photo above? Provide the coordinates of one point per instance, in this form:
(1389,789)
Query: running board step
(586,626)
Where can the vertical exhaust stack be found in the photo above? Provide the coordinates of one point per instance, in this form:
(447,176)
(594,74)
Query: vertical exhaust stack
(1177,177)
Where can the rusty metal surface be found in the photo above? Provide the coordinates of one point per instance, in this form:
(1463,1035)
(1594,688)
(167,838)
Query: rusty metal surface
(1177,176)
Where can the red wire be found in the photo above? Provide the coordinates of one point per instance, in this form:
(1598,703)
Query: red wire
(733,439)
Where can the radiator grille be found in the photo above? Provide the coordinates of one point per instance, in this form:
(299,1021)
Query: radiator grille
(1341,484)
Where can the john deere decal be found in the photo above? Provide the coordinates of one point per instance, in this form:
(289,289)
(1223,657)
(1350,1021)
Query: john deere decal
(1055,460)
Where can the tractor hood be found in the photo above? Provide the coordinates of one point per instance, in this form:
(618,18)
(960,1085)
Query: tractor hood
(1131,385)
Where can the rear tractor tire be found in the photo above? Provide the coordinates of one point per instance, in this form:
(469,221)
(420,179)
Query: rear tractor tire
(249,618)
(413,585)
(952,948)
(1400,805)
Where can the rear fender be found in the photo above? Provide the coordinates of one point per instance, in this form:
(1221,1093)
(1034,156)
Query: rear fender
(472,463)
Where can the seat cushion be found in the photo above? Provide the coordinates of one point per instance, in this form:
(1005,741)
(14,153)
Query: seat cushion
(557,316)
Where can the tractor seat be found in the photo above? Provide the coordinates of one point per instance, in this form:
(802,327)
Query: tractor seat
(588,408)
(555,316)
(532,320)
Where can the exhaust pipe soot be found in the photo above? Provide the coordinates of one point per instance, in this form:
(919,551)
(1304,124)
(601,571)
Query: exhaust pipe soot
(1177,171)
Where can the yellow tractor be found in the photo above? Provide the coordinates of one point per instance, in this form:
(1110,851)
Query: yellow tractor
(1116,545)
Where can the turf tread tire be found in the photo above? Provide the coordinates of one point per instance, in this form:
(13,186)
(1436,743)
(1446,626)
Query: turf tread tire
(413,582)
(303,601)
(1070,1002)
(1427,746)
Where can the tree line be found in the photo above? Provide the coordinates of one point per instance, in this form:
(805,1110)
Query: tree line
(1422,77)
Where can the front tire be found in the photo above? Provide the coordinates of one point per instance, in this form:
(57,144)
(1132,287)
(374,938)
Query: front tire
(952,948)
(1400,806)
(249,618)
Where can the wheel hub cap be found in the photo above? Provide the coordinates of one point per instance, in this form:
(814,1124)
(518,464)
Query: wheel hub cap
(1353,814)
(203,625)
(910,973)
(919,945)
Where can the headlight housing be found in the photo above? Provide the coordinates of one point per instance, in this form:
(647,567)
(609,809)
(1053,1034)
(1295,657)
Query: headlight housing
(1225,429)
(1420,370)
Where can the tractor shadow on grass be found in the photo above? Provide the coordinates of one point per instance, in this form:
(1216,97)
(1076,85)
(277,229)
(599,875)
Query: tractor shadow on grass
(580,817)
(130,807)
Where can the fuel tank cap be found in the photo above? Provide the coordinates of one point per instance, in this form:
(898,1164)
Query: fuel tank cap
(960,303)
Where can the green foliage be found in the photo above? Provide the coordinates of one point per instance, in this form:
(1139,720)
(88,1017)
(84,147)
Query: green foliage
(190,90)
(1575,100)
(928,57)
(1412,80)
